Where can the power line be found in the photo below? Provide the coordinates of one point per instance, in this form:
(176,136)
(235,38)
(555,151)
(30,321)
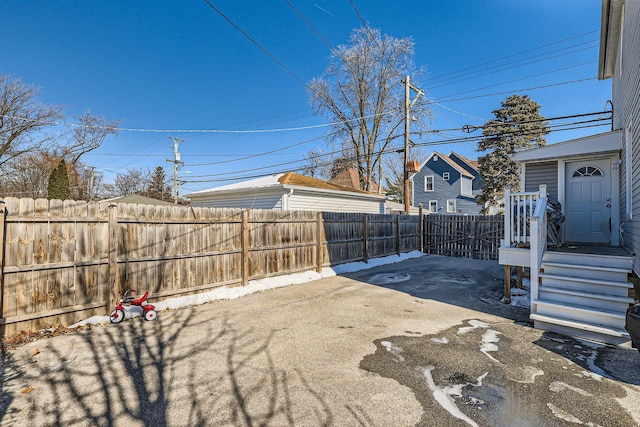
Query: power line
(258,45)
(499,68)
(518,53)
(520,79)
(446,100)
(388,151)
(583,124)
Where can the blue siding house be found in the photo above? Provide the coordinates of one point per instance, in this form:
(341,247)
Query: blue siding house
(447,184)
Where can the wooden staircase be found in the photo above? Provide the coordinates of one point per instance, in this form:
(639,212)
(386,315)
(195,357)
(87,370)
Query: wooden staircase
(584,296)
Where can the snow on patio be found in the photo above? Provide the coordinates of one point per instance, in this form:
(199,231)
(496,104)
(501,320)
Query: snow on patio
(229,293)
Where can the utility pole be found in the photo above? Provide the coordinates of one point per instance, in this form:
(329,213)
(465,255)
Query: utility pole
(407,142)
(176,163)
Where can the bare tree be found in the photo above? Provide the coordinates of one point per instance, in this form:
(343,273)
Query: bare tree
(361,91)
(314,163)
(87,135)
(28,175)
(134,181)
(22,119)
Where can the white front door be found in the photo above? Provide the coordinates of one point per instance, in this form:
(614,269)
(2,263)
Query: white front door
(588,201)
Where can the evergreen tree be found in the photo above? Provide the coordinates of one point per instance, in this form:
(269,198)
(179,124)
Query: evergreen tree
(58,187)
(517,126)
(157,188)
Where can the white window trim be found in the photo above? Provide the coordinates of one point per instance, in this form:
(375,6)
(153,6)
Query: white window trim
(433,183)
(434,203)
(445,176)
(449,203)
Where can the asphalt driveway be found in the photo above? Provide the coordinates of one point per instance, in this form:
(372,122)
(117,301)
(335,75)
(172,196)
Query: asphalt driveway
(422,342)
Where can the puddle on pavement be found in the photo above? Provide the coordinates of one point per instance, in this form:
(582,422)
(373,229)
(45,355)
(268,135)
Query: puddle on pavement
(517,384)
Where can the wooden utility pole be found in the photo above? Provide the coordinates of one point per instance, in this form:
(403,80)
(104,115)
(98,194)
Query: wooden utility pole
(407,128)
(407,142)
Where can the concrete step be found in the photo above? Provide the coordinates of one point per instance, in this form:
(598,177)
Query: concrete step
(597,301)
(605,287)
(614,274)
(583,330)
(580,313)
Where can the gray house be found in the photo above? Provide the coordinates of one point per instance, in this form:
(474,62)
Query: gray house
(447,184)
(584,288)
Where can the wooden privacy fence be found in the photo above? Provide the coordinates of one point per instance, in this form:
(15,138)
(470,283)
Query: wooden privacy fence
(466,236)
(63,261)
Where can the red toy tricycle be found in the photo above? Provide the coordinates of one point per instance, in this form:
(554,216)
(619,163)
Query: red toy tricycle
(127,300)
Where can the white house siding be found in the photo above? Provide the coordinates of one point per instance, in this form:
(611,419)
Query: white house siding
(300,200)
(254,200)
(626,107)
(536,174)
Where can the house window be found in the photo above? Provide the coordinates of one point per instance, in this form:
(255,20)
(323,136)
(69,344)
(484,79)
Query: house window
(428,183)
(466,187)
(587,171)
(445,176)
(451,205)
(433,206)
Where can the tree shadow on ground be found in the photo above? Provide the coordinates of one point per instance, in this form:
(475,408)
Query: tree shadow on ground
(177,370)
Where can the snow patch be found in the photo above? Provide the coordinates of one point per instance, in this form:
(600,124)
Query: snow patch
(475,324)
(563,415)
(520,297)
(489,340)
(393,349)
(531,372)
(558,386)
(229,293)
(444,396)
(442,340)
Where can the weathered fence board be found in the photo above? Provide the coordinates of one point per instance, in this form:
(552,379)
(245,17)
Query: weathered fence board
(467,236)
(67,260)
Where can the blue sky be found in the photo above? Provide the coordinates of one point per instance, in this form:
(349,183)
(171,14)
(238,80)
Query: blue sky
(178,65)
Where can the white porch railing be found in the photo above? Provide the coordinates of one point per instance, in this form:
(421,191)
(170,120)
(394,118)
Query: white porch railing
(525,223)
(518,209)
(538,244)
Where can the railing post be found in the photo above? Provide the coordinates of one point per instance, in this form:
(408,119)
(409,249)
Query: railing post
(508,211)
(543,190)
(534,227)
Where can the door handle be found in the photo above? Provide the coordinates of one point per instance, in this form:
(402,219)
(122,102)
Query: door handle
(608,205)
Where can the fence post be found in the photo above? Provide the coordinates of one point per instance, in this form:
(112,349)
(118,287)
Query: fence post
(112,288)
(3,211)
(398,234)
(365,238)
(244,233)
(319,242)
(421,227)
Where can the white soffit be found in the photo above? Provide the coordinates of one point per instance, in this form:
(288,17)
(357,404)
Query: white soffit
(595,144)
